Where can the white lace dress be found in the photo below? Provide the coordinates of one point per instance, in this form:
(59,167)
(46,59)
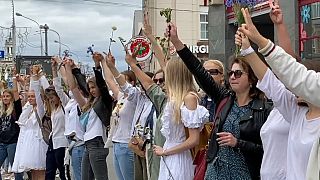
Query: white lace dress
(31,148)
(179,166)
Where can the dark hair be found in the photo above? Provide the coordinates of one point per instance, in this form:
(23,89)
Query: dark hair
(158,72)
(254,91)
(50,91)
(130,75)
(150,74)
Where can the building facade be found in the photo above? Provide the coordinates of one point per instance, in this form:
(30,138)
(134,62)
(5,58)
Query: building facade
(302,18)
(7,63)
(191,18)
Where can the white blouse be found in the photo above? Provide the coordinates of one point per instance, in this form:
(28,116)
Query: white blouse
(302,133)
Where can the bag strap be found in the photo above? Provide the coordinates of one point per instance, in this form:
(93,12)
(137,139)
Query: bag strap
(138,120)
(217,122)
(150,118)
(38,119)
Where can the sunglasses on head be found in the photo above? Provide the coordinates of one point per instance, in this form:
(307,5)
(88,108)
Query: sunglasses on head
(214,71)
(160,80)
(237,73)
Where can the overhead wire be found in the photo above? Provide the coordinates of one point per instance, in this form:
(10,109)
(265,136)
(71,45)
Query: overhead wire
(110,3)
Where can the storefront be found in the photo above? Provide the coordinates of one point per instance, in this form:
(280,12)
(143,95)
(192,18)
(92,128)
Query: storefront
(303,27)
(309,29)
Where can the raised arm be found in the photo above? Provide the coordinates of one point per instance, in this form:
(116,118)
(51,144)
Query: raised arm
(250,56)
(59,71)
(109,77)
(57,83)
(101,83)
(81,100)
(276,16)
(144,79)
(35,85)
(15,88)
(110,63)
(203,78)
(156,48)
(293,75)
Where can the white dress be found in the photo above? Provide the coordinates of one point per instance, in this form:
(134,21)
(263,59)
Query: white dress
(31,148)
(179,166)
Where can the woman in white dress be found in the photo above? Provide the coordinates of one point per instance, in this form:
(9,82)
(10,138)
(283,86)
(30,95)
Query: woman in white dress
(182,113)
(31,148)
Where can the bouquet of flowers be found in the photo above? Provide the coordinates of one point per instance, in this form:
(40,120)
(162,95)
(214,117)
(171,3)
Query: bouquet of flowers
(237,5)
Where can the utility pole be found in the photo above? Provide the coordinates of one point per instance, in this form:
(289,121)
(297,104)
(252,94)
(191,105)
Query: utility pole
(14,36)
(45,27)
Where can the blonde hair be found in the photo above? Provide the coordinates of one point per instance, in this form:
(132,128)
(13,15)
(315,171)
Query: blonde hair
(7,110)
(216,62)
(179,82)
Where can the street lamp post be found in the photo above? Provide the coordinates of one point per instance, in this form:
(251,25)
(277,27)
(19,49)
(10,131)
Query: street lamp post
(45,27)
(41,45)
(59,40)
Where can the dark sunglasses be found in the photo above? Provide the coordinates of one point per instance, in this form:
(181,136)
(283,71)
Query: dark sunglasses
(160,80)
(237,73)
(214,72)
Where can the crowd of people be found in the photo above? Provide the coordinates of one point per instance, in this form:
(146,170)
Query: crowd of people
(264,114)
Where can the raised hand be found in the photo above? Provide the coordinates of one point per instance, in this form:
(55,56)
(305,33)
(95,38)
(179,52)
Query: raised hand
(276,14)
(55,60)
(109,58)
(130,60)
(97,58)
(172,31)
(147,29)
(242,40)
(250,30)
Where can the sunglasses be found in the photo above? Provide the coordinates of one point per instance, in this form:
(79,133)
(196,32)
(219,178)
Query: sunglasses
(214,72)
(160,80)
(237,73)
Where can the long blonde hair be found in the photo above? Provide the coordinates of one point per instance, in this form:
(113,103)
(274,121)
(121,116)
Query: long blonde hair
(179,82)
(7,110)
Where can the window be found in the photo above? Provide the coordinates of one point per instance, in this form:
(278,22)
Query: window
(310,31)
(204,26)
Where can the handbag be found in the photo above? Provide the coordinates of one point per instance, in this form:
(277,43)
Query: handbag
(45,126)
(137,142)
(200,160)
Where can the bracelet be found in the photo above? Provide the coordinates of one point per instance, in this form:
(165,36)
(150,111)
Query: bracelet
(245,52)
(118,76)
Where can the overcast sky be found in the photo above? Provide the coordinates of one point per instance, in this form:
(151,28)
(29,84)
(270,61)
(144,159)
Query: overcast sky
(80,23)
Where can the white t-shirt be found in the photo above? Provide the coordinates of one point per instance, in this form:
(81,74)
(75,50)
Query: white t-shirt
(73,125)
(302,133)
(123,126)
(143,104)
(274,135)
(94,127)
(58,138)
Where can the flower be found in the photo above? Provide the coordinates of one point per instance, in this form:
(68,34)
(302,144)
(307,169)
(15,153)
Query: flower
(114,28)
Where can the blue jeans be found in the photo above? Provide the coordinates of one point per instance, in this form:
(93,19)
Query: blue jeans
(76,159)
(8,151)
(123,161)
